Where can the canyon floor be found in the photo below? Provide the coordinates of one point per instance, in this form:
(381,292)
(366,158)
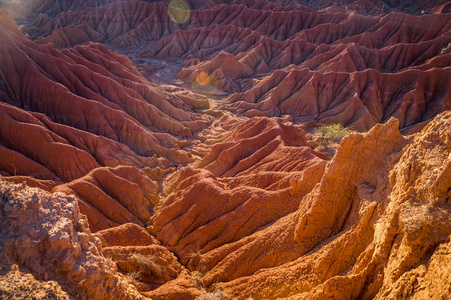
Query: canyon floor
(225,149)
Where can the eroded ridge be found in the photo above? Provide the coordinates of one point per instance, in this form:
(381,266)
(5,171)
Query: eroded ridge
(348,64)
(145,155)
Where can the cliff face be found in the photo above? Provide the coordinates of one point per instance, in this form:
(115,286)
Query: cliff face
(183,164)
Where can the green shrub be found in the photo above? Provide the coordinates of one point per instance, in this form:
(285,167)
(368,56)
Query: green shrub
(327,138)
(333,132)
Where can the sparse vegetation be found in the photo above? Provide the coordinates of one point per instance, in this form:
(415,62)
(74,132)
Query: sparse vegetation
(197,279)
(135,276)
(333,132)
(211,296)
(446,50)
(194,258)
(147,265)
(326,138)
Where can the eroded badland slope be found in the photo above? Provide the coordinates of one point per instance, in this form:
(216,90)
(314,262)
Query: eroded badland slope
(166,150)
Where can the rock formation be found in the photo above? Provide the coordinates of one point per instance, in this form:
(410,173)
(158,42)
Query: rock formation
(86,108)
(46,234)
(376,225)
(167,149)
(378,62)
(112,196)
(265,169)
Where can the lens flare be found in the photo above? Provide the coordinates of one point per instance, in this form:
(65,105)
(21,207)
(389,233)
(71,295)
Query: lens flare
(179,11)
(202,78)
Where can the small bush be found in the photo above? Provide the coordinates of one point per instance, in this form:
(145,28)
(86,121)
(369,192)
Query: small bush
(327,138)
(333,132)
(147,265)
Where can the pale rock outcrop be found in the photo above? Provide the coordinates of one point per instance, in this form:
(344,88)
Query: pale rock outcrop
(46,234)
(18,285)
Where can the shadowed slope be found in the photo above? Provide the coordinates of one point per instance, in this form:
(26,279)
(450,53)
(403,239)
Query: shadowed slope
(253,52)
(63,115)
(359,99)
(95,92)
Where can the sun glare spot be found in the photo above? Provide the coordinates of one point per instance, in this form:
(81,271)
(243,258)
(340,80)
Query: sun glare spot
(202,78)
(179,11)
